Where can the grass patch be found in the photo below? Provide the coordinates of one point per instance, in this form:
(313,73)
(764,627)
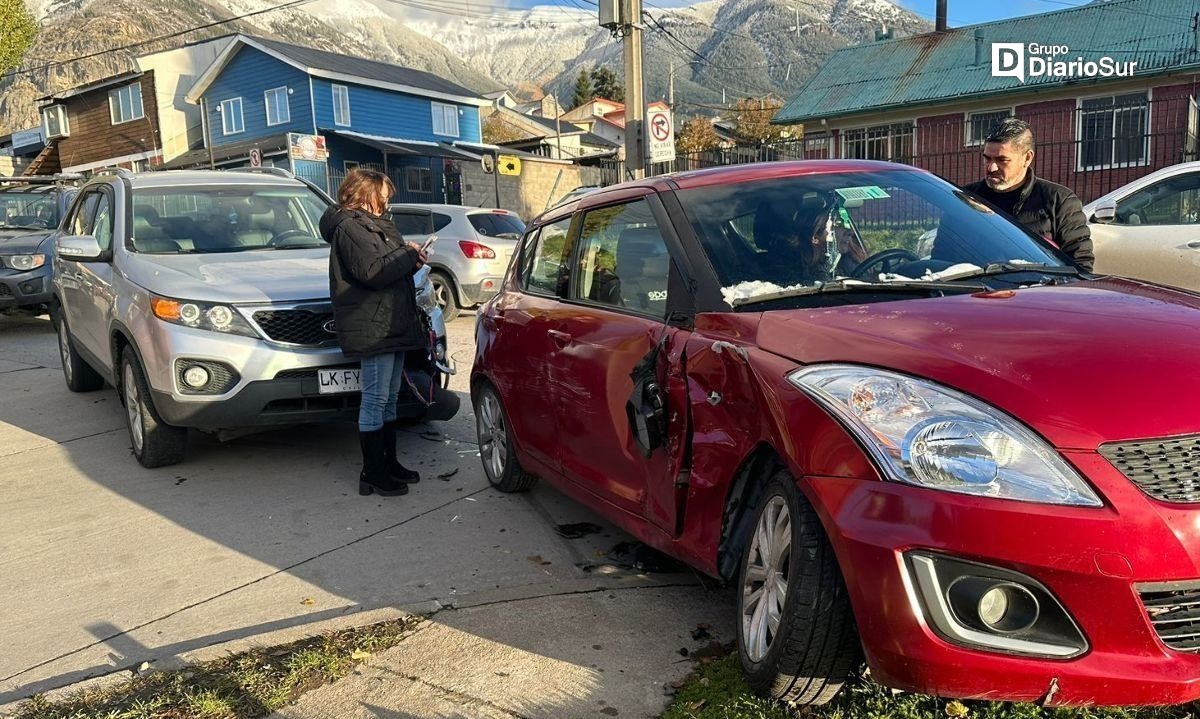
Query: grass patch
(240,686)
(716,691)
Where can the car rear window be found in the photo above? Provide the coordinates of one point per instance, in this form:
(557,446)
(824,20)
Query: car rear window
(496,224)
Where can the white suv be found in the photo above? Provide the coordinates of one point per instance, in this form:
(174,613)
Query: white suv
(203,297)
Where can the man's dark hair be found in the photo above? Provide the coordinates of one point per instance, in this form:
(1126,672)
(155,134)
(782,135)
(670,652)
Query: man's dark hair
(1010,129)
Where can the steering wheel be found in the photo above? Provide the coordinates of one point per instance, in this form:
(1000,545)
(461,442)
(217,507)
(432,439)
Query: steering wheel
(282,237)
(885,259)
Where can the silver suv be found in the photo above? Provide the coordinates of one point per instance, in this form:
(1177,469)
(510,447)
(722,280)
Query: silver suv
(472,250)
(203,297)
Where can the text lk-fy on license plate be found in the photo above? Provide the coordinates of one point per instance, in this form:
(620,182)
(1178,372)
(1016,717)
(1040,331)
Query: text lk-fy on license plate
(333,381)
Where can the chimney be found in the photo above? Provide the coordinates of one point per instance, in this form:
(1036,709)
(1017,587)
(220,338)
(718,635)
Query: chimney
(882,33)
(980,47)
(941,16)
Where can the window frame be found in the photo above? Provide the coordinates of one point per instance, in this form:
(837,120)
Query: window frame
(408,179)
(1120,223)
(443,109)
(1146,132)
(116,108)
(340,95)
(227,111)
(910,125)
(59,111)
(533,240)
(968,124)
(286,116)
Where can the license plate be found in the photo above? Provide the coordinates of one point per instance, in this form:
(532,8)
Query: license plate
(335,381)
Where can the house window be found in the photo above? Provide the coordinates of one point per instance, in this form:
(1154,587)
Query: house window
(1113,131)
(55,120)
(418,179)
(980,124)
(125,104)
(882,142)
(231,116)
(278,111)
(341,105)
(445,119)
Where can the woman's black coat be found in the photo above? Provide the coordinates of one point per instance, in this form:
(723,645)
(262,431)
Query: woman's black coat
(371,271)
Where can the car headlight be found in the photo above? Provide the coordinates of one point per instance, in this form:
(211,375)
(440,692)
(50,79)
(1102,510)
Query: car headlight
(932,436)
(23,262)
(201,315)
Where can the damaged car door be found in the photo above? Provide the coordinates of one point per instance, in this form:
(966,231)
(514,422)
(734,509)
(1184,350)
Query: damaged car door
(617,319)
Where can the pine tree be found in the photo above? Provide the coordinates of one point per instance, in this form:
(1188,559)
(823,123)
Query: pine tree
(583,89)
(605,84)
(17,31)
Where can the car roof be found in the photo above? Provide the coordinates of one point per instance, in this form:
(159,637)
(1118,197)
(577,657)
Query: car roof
(449,208)
(173,178)
(726,174)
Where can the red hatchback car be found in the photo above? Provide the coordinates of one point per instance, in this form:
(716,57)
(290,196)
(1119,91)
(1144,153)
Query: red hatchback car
(901,425)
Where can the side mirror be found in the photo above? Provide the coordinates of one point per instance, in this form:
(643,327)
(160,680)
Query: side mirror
(1105,212)
(79,248)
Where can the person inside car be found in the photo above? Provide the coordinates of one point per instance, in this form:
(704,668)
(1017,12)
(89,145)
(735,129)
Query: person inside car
(371,270)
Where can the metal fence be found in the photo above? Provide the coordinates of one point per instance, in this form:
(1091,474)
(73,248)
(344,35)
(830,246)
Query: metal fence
(613,171)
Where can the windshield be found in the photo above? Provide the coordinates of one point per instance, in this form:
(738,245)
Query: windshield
(28,209)
(174,220)
(497,224)
(788,235)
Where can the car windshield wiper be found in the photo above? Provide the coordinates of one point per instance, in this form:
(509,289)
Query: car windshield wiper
(854,286)
(996,269)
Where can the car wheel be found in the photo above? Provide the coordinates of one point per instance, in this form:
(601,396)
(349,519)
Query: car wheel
(79,374)
(796,636)
(155,443)
(496,448)
(443,295)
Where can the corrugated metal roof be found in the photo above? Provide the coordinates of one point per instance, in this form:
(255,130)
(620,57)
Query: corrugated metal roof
(936,67)
(364,69)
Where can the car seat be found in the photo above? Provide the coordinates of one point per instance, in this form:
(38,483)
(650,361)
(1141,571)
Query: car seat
(255,228)
(642,265)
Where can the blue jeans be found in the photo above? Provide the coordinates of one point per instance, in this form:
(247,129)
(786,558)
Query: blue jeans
(382,376)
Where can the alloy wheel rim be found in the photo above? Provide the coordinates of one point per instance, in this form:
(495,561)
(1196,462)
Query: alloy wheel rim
(133,409)
(64,348)
(764,590)
(493,442)
(440,295)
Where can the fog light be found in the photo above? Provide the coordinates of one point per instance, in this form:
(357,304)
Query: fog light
(1008,609)
(31,287)
(195,377)
(488,284)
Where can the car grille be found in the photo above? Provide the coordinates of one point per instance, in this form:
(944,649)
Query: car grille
(300,326)
(5,290)
(1166,469)
(1174,611)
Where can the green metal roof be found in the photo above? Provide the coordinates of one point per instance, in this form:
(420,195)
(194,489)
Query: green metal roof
(936,67)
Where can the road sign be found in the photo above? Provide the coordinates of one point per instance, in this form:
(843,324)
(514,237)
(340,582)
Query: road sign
(508,164)
(660,135)
(255,157)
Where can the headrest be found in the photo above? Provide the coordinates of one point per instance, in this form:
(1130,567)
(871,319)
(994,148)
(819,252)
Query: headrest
(147,213)
(262,220)
(639,244)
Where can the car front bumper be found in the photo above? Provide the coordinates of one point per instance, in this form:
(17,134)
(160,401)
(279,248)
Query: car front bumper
(1094,561)
(25,289)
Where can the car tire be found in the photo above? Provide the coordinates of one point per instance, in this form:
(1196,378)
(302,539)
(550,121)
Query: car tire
(77,372)
(496,447)
(443,295)
(155,443)
(814,646)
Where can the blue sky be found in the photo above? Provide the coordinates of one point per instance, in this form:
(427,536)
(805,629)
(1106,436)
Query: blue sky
(969,12)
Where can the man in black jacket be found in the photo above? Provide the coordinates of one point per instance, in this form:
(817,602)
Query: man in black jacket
(1044,208)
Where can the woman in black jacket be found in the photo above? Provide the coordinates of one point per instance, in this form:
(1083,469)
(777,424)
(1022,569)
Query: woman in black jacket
(371,271)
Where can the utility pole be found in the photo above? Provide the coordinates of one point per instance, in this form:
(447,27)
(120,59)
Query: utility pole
(671,87)
(635,101)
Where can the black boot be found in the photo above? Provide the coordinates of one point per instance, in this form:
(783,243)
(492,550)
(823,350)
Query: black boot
(394,469)
(374,476)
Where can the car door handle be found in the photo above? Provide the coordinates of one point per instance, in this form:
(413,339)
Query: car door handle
(562,339)
(1194,244)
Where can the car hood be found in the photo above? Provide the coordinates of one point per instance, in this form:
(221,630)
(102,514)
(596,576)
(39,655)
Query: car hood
(1082,364)
(21,241)
(240,277)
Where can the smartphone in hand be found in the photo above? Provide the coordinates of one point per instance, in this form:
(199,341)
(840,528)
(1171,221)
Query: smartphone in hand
(428,243)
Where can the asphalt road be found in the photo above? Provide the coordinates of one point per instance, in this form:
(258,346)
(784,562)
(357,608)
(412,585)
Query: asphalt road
(106,565)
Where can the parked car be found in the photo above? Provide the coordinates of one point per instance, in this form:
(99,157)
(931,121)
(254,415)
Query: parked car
(473,249)
(30,209)
(1150,228)
(203,297)
(943,467)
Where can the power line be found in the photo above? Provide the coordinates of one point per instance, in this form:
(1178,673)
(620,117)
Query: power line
(169,36)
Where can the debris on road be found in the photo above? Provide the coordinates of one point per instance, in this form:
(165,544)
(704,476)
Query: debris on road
(577,530)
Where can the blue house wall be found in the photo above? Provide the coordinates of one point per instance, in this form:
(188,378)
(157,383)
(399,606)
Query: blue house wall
(248,75)
(391,114)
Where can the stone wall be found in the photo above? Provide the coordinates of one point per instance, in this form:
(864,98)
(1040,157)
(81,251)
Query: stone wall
(540,184)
